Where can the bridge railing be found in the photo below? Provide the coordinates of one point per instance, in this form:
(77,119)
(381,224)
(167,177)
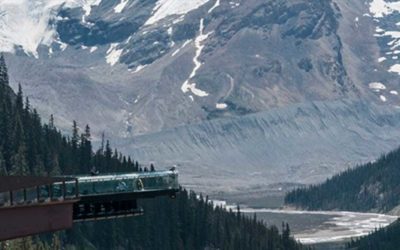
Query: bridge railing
(119,183)
(80,186)
(25,190)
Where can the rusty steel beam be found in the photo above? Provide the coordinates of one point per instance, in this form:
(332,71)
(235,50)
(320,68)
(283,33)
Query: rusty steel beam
(21,221)
(25,215)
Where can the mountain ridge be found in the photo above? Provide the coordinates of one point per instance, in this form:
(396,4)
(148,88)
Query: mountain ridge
(254,80)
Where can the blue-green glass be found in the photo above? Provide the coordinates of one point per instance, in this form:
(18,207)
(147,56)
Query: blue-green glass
(121,183)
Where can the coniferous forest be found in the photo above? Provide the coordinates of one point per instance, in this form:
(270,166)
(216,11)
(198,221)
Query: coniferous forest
(30,147)
(370,187)
(382,239)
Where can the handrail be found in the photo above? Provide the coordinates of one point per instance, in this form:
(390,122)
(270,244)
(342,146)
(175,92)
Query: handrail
(122,176)
(75,187)
(123,183)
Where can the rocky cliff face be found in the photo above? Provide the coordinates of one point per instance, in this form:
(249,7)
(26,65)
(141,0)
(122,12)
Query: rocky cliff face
(150,69)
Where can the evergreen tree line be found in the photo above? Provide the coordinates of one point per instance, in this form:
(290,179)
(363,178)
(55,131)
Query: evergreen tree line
(370,187)
(382,239)
(27,147)
(189,222)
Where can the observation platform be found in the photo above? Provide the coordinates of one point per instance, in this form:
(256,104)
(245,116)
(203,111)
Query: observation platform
(32,205)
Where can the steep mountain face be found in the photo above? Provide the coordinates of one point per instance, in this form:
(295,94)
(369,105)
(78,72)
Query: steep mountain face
(158,64)
(147,68)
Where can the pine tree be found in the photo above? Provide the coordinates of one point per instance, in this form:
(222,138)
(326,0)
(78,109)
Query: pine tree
(75,136)
(27,243)
(51,122)
(86,149)
(39,169)
(18,134)
(3,71)
(3,169)
(101,149)
(75,146)
(55,166)
(19,164)
(55,242)
(19,102)
(108,151)
(137,166)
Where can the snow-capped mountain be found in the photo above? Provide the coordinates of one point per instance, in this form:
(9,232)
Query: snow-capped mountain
(152,69)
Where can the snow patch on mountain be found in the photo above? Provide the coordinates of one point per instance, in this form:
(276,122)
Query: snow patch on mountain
(221,106)
(382,59)
(234,5)
(381,8)
(26,23)
(377,86)
(139,68)
(216,5)
(183,46)
(63,46)
(93,49)
(186,87)
(87,7)
(113,54)
(395,69)
(395,35)
(165,8)
(121,6)
(379,30)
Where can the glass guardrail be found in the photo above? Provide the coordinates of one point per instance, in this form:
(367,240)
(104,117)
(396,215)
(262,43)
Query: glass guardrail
(120,183)
(93,185)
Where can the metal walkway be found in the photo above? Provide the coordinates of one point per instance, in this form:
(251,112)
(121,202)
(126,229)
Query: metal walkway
(31,205)
(111,196)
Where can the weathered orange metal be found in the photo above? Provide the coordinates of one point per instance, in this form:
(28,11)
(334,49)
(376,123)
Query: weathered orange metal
(31,213)
(20,221)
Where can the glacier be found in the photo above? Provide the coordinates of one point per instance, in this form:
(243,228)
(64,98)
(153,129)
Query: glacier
(304,143)
(165,8)
(27,23)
